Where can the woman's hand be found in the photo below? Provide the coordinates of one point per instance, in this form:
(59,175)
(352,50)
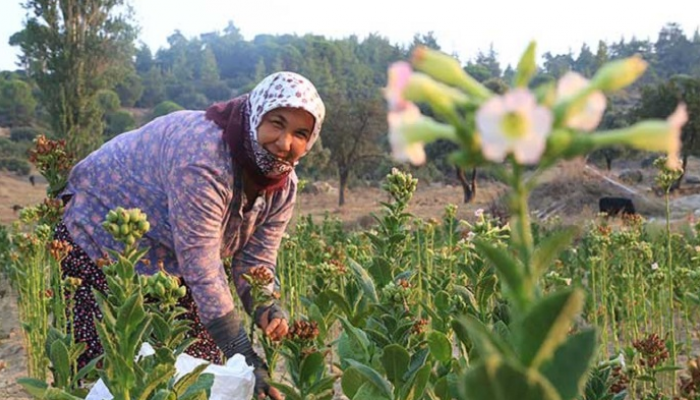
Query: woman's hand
(275,328)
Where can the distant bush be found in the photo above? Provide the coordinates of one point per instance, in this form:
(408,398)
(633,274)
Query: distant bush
(165,108)
(11,149)
(23,134)
(119,122)
(108,100)
(16,165)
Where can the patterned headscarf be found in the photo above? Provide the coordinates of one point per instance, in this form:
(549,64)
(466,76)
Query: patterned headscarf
(282,89)
(240,117)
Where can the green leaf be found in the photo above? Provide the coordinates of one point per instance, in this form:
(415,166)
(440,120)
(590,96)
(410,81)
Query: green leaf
(61,362)
(34,387)
(289,392)
(158,376)
(567,371)
(364,280)
(374,377)
(53,393)
(202,385)
(323,385)
(509,268)
(395,360)
(351,381)
(495,379)
(485,341)
(417,385)
(440,346)
(189,379)
(467,295)
(130,314)
(441,389)
(550,248)
(369,392)
(353,342)
(545,327)
(311,368)
(442,301)
(161,394)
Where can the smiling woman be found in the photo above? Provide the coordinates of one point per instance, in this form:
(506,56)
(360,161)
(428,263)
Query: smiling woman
(213,184)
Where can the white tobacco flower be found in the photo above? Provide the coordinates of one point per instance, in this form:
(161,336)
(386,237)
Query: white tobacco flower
(513,123)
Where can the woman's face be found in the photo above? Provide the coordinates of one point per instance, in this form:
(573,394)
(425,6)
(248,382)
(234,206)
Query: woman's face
(285,132)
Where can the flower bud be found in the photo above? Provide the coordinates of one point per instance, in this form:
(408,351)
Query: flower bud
(448,70)
(442,98)
(619,74)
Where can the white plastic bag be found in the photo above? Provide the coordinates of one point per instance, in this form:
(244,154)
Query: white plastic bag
(233,381)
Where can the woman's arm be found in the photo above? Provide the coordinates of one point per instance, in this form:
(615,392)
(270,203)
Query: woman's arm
(197,204)
(262,247)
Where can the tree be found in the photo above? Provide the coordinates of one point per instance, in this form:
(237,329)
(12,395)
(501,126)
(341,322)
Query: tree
(355,121)
(72,49)
(17,104)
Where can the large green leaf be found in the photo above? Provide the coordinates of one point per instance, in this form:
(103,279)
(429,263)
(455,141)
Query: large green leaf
(568,369)
(60,360)
(509,268)
(416,386)
(440,346)
(311,368)
(364,280)
(34,386)
(546,325)
(353,342)
(369,392)
(495,379)
(550,248)
(374,377)
(351,381)
(395,360)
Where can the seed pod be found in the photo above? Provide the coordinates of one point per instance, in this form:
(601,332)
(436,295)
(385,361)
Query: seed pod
(160,290)
(111,216)
(181,291)
(125,229)
(130,240)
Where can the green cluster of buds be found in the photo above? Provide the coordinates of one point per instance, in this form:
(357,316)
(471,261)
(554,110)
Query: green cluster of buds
(164,287)
(397,292)
(400,185)
(667,177)
(126,226)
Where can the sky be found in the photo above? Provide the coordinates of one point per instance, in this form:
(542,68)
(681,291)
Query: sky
(461,27)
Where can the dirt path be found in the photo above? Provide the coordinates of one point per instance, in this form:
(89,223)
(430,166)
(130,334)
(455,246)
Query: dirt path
(12,356)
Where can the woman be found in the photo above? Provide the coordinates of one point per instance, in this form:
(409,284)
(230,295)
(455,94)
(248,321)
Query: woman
(214,184)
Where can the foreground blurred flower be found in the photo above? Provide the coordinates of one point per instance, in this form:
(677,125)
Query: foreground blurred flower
(398,75)
(409,131)
(585,114)
(513,123)
(405,85)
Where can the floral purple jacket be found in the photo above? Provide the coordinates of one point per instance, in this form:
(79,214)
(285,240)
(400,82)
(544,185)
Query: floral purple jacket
(179,171)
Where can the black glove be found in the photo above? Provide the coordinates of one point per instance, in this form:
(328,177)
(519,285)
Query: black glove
(232,339)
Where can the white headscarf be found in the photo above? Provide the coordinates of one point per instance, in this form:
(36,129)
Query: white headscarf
(286,89)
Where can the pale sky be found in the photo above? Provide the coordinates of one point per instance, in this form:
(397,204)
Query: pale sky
(507,25)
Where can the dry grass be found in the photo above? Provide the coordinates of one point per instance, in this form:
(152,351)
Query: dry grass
(17,191)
